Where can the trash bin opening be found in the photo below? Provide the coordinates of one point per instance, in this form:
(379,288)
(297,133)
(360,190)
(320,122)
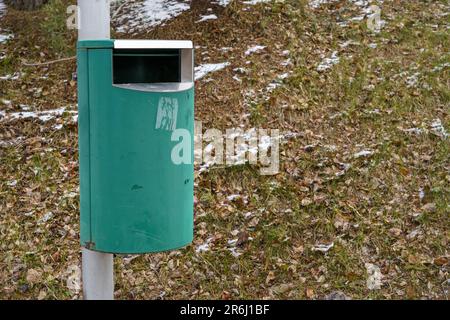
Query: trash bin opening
(146,66)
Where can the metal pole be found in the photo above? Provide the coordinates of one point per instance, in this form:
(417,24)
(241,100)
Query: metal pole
(93,19)
(98,278)
(97,267)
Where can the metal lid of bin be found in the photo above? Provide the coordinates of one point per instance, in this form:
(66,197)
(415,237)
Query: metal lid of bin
(95,44)
(153,44)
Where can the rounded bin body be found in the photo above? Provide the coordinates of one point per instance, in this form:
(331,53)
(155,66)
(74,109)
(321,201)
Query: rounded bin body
(133,197)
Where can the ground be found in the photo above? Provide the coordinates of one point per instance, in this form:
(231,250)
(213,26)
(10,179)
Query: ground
(360,207)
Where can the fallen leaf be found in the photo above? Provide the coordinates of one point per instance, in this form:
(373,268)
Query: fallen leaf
(412,259)
(33,276)
(270,277)
(410,292)
(309,293)
(306,202)
(396,232)
(242,239)
(441,261)
(42,295)
(282,288)
(429,207)
(226,295)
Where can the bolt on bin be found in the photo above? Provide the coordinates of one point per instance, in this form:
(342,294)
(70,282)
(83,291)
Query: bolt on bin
(133,95)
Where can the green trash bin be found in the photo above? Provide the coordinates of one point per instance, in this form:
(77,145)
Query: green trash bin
(133,96)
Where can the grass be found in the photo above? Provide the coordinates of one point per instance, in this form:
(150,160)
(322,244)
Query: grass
(54,25)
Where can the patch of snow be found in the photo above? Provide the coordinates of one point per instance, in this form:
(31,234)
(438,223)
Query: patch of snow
(46,217)
(344,168)
(11,142)
(149,13)
(241,70)
(376,110)
(441,67)
(223,3)
(276,83)
(235,77)
(327,63)
(226,49)
(2,8)
(204,69)
(14,76)
(204,247)
(421,194)
(358,18)
(286,62)
(70,194)
(438,128)
(234,252)
(254,49)
(411,81)
(44,115)
(205,167)
(342,24)
(253,2)
(5,37)
(207,17)
(253,97)
(348,43)
(374,276)
(233,197)
(413,234)
(272,86)
(232,247)
(413,130)
(363,153)
(323,247)
(317,3)
(12,183)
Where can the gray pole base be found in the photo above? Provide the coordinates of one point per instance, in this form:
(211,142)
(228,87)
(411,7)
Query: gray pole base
(97,272)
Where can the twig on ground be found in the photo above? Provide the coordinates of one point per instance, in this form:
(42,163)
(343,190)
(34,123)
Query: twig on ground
(48,62)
